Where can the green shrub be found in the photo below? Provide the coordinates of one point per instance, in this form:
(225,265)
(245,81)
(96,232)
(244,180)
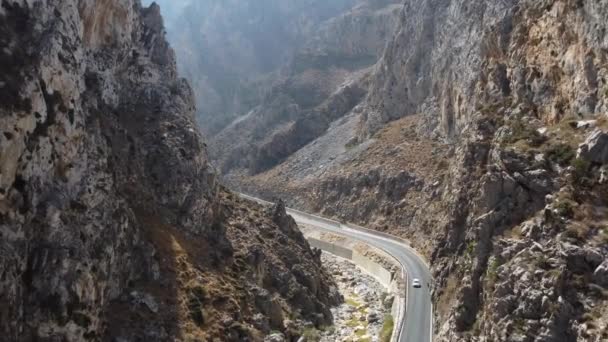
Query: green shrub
(561,154)
(521,131)
(565,208)
(196,298)
(352,144)
(581,169)
(541,261)
(471,248)
(492,272)
(603,236)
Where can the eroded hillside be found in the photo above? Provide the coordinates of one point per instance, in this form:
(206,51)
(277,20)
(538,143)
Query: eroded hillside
(482,139)
(321,83)
(232,51)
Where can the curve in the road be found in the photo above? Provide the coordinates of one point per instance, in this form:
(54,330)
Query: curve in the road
(418,323)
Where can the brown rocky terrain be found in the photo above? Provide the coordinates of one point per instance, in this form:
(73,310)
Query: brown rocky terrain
(112,223)
(482,140)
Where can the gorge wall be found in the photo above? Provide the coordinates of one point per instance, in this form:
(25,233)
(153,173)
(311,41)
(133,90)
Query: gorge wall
(480,136)
(232,51)
(113,225)
(322,82)
(275,73)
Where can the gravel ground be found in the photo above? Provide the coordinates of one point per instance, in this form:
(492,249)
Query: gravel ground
(367,302)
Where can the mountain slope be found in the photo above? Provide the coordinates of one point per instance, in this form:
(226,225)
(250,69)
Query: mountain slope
(323,82)
(474,141)
(231,50)
(112,223)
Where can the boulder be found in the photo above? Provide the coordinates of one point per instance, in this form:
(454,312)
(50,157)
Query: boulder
(581,260)
(600,275)
(276,337)
(595,148)
(261,322)
(373,317)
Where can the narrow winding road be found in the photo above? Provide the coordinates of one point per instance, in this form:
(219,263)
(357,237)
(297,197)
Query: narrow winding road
(417,326)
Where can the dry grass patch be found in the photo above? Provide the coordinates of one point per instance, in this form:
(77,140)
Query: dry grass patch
(387,328)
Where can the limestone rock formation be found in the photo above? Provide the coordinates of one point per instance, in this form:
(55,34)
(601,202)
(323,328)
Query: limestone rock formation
(230,50)
(466,144)
(450,58)
(323,80)
(595,148)
(112,223)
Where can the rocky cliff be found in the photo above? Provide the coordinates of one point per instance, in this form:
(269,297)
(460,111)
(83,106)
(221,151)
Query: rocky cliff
(452,58)
(474,141)
(112,224)
(321,83)
(232,50)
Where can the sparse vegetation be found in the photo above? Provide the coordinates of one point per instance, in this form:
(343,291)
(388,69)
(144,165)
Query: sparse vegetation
(352,302)
(522,132)
(541,261)
(443,164)
(604,235)
(361,332)
(581,169)
(353,322)
(196,298)
(492,272)
(448,295)
(311,335)
(565,208)
(352,144)
(514,233)
(518,324)
(476,329)
(383,300)
(592,315)
(561,154)
(387,328)
(555,273)
(602,121)
(471,248)
(578,231)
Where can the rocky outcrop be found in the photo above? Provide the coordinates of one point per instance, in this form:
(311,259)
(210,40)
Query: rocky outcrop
(518,207)
(112,223)
(358,197)
(270,134)
(506,83)
(231,50)
(600,276)
(449,59)
(595,148)
(511,217)
(321,83)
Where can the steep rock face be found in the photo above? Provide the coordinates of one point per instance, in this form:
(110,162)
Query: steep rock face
(230,49)
(510,204)
(451,57)
(109,210)
(272,133)
(506,82)
(322,83)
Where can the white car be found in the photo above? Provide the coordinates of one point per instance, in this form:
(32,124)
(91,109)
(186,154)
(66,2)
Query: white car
(416,283)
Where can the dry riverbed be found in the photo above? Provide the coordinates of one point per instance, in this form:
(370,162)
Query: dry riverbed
(365,314)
